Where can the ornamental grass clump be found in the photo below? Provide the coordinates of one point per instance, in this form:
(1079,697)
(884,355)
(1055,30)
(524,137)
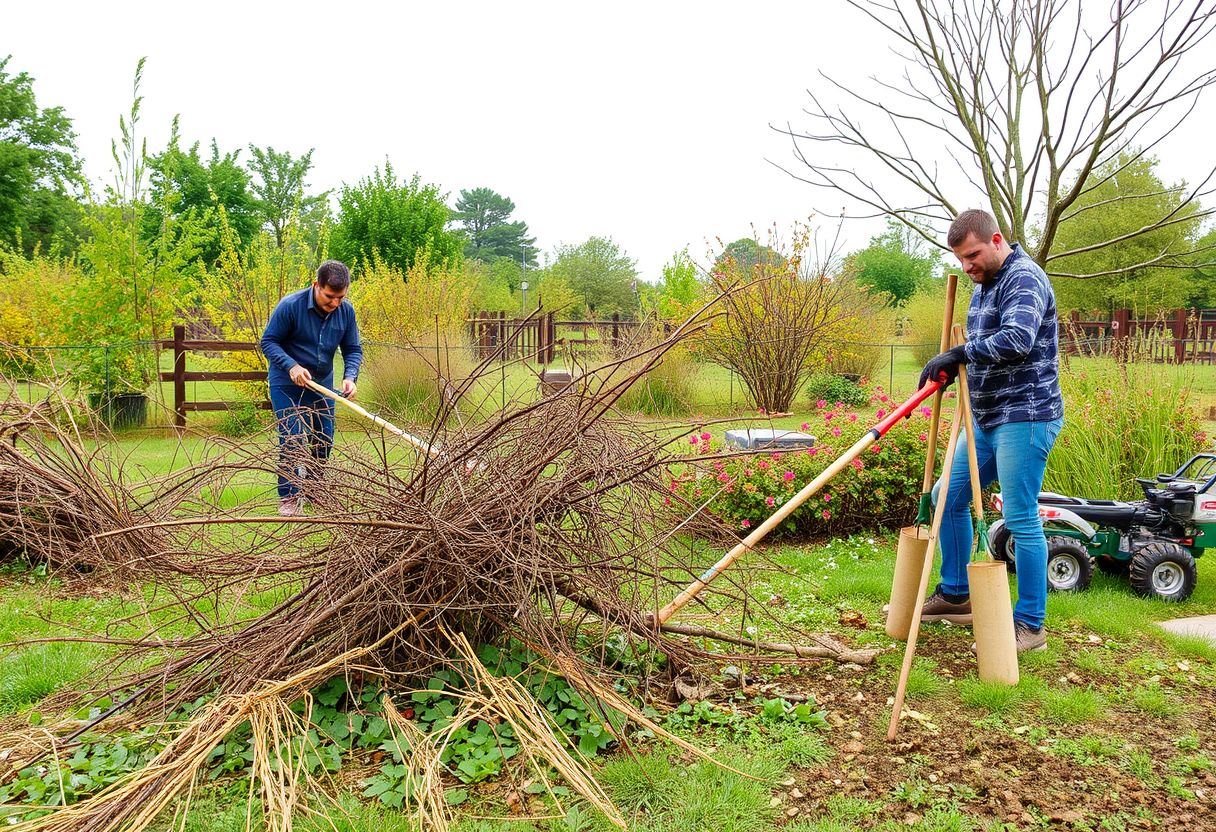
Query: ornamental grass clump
(1122,420)
(880,488)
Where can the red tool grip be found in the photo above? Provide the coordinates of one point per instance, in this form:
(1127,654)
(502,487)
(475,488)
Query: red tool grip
(905,409)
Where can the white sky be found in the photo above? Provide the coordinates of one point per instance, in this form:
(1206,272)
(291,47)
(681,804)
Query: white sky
(646,122)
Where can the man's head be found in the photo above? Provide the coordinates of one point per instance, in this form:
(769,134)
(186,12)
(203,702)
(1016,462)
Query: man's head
(331,285)
(977,243)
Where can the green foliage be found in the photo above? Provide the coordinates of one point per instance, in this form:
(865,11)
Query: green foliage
(835,390)
(1121,197)
(242,419)
(186,185)
(1124,420)
(997,697)
(881,488)
(897,263)
(395,221)
(484,216)
(681,289)
(279,189)
(1154,701)
(600,275)
(40,171)
(39,671)
(923,317)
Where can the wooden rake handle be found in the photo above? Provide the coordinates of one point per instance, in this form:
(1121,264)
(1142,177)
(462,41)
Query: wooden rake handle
(384,423)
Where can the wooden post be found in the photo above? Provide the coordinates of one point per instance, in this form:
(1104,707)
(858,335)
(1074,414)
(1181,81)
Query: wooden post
(1179,336)
(616,329)
(179,376)
(1121,323)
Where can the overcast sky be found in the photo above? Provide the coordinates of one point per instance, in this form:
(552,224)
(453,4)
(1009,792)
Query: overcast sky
(645,122)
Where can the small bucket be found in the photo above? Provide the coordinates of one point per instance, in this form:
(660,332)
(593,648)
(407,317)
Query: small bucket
(910,560)
(992,616)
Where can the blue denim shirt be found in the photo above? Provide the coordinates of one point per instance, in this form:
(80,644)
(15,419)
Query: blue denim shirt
(300,333)
(1013,346)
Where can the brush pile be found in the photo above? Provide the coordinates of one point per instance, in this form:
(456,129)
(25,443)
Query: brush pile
(551,523)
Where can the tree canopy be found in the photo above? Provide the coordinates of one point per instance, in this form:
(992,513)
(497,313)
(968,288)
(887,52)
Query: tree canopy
(280,188)
(602,276)
(40,175)
(484,215)
(897,262)
(1013,105)
(382,217)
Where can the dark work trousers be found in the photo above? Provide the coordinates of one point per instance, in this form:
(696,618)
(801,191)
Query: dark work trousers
(306,435)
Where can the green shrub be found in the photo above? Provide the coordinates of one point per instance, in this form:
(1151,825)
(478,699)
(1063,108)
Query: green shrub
(881,488)
(829,388)
(666,389)
(1121,421)
(242,419)
(922,328)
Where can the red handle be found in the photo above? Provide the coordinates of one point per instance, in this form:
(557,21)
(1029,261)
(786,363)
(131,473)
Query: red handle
(905,409)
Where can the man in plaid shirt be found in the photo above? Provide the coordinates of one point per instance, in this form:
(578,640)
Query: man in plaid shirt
(1012,362)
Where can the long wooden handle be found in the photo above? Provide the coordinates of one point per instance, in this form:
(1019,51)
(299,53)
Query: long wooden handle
(384,423)
(901,688)
(947,322)
(964,403)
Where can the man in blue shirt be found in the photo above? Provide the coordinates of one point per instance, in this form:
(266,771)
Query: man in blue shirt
(1011,355)
(303,333)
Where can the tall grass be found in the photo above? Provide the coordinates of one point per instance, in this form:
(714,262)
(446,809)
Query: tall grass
(1122,420)
(412,383)
(666,389)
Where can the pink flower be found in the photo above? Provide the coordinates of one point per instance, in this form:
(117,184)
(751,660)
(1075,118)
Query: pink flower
(672,486)
(836,431)
(875,448)
(881,413)
(805,426)
(789,475)
(724,477)
(692,440)
(883,398)
(827,515)
(705,437)
(811,451)
(857,463)
(821,404)
(852,417)
(762,465)
(827,498)
(747,472)
(829,416)
(924,437)
(666,501)
(745,523)
(925,411)
(776,457)
(770,501)
(762,411)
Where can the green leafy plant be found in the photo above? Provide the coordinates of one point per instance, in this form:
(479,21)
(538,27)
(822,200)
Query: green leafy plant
(881,488)
(832,388)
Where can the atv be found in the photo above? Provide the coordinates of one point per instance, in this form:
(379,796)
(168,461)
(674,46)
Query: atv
(1152,542)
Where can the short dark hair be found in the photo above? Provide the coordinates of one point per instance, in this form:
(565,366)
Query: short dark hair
(972,221)
(333,274)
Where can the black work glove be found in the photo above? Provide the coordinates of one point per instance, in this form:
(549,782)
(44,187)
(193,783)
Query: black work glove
(947,363)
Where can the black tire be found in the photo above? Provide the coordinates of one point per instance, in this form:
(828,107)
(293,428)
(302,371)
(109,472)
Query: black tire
(1113,566)
(1000,544)
(1069,566)
(1163,570)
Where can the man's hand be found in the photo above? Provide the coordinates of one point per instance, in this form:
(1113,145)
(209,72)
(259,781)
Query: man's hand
(348,388)
(947,363)
(300,375)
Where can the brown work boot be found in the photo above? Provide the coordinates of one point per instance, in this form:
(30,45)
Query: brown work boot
(1029,640)
(937,608)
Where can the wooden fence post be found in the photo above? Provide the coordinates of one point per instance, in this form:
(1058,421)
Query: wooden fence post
(1179,336)
(179,376)
(616,330)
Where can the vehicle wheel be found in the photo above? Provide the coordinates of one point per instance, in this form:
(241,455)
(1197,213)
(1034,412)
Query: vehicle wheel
(1163,570)
(1069,567)
(1000,546)
(1113,566)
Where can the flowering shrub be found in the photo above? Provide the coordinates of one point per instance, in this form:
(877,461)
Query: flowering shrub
(881,487)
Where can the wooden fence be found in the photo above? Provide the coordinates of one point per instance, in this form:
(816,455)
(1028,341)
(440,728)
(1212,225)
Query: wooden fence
(180,346)
(1180,336)
(538,337)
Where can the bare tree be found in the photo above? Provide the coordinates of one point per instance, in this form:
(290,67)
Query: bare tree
(1026,99)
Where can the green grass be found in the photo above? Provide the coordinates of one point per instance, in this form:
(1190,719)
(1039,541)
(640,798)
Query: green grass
(40,670)
(1151,699)
(998,698)
(1072,706)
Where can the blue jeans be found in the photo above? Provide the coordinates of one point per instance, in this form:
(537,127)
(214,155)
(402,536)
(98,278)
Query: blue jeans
(306,434)
(1015,454)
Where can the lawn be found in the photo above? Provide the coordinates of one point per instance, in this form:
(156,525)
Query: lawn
(1110,728)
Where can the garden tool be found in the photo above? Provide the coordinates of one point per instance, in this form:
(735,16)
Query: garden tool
(925,512)
(390,427)
(977,493)
(809,490)
(934,530)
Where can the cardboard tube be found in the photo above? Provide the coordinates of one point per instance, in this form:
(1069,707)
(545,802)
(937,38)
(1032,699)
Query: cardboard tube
(992,622)
(910,560)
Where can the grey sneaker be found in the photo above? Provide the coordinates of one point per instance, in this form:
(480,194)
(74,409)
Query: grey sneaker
(289,507)
(1029,640)
(937,608)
